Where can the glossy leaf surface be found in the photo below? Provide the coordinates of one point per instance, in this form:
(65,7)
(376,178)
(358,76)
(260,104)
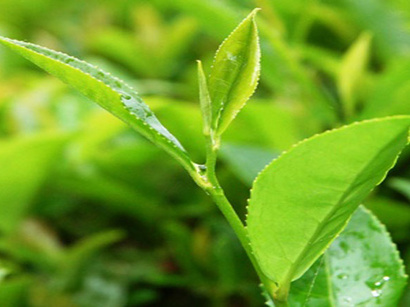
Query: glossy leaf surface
(362,267)
(235,73)
(109,92)
(303,199)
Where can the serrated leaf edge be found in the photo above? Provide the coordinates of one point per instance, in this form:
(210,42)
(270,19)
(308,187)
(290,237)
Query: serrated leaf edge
(318,135)
(120,94)
(216,121)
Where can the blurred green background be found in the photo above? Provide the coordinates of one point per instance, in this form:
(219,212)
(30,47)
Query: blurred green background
(91,214)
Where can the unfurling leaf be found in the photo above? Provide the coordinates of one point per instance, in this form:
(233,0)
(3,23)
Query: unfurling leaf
(303,199)
(235,73)
(352,70)
(109,92)
(205,100)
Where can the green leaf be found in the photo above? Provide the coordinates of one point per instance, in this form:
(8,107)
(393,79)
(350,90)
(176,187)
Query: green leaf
(205,100)
(109,92)
(362,267)
(24,164)
(352,69)
(303,199)
(235,73)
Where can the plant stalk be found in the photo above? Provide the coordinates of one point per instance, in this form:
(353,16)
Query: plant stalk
(210,184)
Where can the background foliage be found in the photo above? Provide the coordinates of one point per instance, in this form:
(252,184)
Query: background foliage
(93,215)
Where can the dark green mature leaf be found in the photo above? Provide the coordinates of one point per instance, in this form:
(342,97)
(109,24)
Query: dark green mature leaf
(24,164)
(303,199)
(109,92)
(362,267)
(235,73)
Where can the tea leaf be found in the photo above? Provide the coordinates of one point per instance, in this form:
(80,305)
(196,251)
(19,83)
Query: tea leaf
(351,71)
(303,199)
(204,99)
(235,73)
(361,268)
(109,92)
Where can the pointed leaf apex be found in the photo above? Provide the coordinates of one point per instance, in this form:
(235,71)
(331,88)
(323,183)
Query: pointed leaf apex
(235,73)
(253,13)
(205,100)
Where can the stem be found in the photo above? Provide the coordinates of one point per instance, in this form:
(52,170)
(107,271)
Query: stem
(280,297)
(210,184)
(280,303)
(208,181)
(214,189)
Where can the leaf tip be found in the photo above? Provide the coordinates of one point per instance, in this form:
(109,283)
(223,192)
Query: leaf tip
(254,11)
(252,14)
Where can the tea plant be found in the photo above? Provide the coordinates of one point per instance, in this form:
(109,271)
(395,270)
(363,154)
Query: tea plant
(306,235)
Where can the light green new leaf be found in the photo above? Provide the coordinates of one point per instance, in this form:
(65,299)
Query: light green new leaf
(351,72)
(24,164)
(109,92)
(235,73)
(303,199)
(205,100)
(362,267)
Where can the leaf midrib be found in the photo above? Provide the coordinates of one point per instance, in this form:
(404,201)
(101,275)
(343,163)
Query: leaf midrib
(235,80)
(289,277)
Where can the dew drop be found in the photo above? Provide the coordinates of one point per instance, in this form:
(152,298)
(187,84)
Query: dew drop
(201,167)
